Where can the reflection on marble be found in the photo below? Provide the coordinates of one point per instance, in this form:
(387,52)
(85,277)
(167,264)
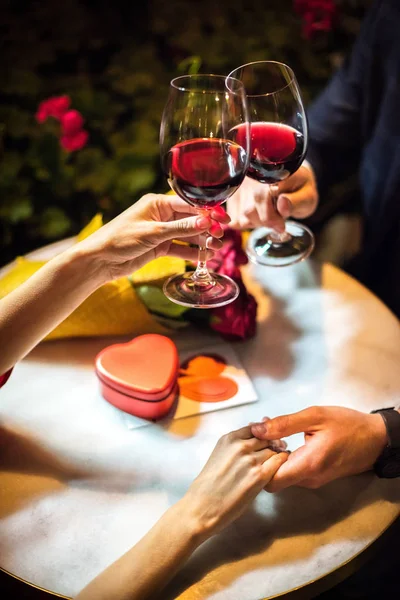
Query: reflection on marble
(78,488)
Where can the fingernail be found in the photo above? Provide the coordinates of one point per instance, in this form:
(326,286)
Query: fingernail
(203,223)
(287,210)
(220,214)
(265,419)
(279,227)
(216,230)
(258,429)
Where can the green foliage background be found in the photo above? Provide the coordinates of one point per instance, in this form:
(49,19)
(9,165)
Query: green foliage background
(115,61)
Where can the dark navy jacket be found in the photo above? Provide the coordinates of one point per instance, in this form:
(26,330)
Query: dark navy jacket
(355,128)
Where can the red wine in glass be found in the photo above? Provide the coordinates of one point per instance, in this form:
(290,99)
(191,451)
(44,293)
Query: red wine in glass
(205,172)
(204,165)
(278,146)
(276,151)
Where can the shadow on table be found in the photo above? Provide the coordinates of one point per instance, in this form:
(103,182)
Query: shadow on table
(13,589)
(49,472)
(297,513)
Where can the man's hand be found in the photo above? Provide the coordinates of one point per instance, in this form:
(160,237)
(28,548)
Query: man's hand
(252,205)
(338,442)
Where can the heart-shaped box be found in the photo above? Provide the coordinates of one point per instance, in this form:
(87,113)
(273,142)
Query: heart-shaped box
(140,376)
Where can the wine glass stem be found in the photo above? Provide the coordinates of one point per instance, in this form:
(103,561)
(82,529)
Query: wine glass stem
(202,275)
(275,236)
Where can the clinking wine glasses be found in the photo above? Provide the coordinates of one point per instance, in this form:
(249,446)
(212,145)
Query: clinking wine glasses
(205,161)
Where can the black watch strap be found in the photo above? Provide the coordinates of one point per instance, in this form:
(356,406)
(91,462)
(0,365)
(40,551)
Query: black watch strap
(388,463)
(391,418)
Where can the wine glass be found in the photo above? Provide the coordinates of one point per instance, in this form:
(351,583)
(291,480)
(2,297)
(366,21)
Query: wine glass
(278,146)
(204,165)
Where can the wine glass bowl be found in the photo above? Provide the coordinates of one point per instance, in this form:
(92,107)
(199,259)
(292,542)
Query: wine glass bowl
(204,165)
(278,145)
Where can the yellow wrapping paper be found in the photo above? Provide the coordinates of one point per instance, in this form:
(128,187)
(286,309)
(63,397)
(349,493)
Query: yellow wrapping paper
(113,309)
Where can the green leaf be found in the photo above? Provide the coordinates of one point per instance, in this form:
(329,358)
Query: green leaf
(156,301)
(135,181)
(21,209)
(17,210)
(54,222)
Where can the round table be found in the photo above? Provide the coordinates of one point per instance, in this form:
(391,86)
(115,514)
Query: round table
(78,487)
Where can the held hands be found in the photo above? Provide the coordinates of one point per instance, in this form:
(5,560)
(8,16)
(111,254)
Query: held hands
(239,467)
(338,442)
(252,205)
(146,231)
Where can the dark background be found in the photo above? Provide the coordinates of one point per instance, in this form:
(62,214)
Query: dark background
(115,60)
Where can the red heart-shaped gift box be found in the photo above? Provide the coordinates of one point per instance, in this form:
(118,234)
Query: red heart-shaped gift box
(140,376)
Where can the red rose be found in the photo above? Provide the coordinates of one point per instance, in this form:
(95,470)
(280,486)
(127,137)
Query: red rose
(231,256)
(237,320)
(71,122)
(75,141)
(55,107)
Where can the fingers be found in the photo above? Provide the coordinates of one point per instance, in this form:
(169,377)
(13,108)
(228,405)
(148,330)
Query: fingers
(293,471)
(273,218)
(262,455)
(183,228)
(244,433)
(298,195)
(216,230)
(272,466)
(185,252)
(262,196)
(213,244)
(220,215)
(288,424)
(255,445)
(300,204)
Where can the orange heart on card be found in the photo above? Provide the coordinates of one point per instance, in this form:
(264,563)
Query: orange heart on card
(146,367)
(202,381)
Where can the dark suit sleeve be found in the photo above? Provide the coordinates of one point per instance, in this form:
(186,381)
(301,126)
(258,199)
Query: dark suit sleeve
(336,117)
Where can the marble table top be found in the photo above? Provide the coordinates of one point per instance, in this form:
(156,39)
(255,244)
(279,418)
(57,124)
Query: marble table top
(78,488)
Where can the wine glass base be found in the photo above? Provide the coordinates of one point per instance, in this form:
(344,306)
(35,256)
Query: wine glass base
(184,290)
(262,248)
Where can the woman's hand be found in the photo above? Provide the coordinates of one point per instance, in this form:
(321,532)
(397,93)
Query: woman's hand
(147,229)
(143,232)
(252,205)
(237,470)
(239,467)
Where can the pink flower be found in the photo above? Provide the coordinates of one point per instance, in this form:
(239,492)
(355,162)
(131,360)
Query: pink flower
(237,320)
(76,141)
(71,122)
(55,107)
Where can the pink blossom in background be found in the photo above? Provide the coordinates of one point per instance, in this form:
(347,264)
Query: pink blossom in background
(318,15)
(71,122)
(55,107)
(76,141)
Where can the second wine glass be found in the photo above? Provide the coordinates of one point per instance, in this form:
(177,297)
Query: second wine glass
(278,146)
(204,165)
